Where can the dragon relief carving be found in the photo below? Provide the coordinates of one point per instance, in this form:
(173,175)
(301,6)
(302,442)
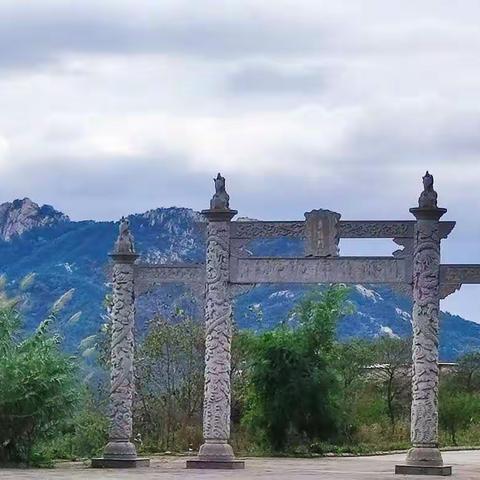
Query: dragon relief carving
(122,350)
(258,229)
(426,272)
(218,318)
(375,229)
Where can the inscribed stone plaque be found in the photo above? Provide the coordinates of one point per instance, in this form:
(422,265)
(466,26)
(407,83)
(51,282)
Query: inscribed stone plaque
(321,233)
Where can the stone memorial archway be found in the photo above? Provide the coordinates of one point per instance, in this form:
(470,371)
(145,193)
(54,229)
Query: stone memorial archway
(229,269)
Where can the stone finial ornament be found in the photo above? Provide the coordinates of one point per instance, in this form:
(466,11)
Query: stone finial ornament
(221,199)
(125,242)
(428,198)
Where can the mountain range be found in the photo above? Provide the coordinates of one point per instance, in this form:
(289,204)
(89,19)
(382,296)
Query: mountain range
(65,255)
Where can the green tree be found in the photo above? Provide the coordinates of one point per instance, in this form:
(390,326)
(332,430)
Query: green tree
(169,379)
(468,372)
(392,373)
(293,388)
(457,409)
(37,382)
(353,360)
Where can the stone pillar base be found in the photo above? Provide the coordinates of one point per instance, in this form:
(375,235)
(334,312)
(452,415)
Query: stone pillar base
(216,455)
(425,460)
(120,449)
(120,462)
(216,451)
(212,465)
(120,454)
(442,470)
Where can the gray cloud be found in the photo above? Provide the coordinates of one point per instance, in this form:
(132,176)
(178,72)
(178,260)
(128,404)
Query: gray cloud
(267,79)
(46,30)
(119,106)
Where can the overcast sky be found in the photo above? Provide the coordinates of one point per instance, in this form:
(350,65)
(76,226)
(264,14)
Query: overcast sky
(112,107)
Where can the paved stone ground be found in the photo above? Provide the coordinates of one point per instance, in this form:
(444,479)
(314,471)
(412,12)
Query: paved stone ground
(466,466)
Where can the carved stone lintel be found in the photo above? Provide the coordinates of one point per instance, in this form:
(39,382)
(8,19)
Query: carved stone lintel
(258,229)
(320,270)
(460,274)
(346,229)
(375,229)
(148,277)
(321,233)
(452,277)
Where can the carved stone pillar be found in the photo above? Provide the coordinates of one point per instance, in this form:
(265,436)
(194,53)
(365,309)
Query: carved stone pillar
(424,457)
(216,451)
(120,451)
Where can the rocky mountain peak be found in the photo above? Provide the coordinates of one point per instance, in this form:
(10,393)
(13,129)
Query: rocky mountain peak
(20,216)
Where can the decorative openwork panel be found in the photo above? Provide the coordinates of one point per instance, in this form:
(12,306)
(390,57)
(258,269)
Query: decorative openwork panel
(257,229)
(347,229)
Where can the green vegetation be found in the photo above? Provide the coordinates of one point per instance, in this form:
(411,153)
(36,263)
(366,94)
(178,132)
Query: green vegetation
(292,395)
(38,382)
(295,389)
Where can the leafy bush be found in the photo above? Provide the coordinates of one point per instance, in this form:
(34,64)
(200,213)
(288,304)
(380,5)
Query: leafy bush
(37,383)
(293,395)
(457,410)
(169,382)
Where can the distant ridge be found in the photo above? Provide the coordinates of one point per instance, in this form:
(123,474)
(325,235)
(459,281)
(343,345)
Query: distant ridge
(67,254)
(21,216)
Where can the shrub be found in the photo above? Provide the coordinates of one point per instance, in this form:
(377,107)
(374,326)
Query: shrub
(37,384)
(457,410)
(293,395)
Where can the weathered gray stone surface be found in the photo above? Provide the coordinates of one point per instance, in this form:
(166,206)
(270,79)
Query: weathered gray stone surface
(319,270)
(122,352)
(148,277)
(218,323)
(321,233)
(426,306)
(346,229)
(221,199)
(259,229)
(466,466)
(452,277)
(463,274)
(428,198)
(124,243)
